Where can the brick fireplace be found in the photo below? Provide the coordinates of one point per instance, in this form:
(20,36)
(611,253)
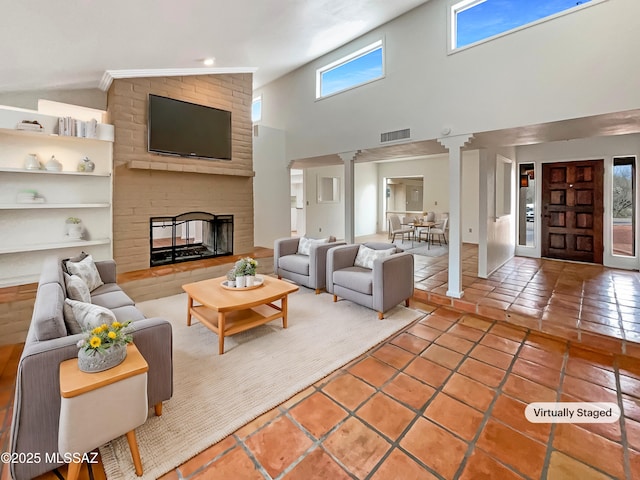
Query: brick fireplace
(149,185)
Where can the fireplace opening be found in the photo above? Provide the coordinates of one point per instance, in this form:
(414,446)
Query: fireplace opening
(190,236)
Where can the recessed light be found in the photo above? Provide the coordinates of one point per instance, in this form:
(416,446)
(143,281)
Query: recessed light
(209,61)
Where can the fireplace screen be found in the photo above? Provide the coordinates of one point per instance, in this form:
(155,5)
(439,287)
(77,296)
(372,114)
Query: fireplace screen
(190,236)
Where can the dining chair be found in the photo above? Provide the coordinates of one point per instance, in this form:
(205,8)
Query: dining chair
(398,229)
(440,229)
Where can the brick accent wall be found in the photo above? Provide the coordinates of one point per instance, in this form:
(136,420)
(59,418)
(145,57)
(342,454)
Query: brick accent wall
(146,185)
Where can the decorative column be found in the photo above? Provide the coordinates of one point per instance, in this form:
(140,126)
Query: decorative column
(348,158)
(454,144)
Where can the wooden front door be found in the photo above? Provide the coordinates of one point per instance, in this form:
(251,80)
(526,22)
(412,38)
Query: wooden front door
(572,210)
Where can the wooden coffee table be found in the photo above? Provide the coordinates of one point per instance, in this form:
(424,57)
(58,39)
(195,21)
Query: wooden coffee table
(227,312)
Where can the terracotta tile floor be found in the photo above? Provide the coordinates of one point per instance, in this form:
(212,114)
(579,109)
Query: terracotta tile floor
(442,399)
(445,398)
(588,304)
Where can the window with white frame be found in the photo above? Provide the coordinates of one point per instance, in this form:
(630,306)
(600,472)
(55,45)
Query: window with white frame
(357,68)
(473,21)
(256,109)
(623,206)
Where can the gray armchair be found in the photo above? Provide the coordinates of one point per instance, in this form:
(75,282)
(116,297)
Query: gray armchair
(388,283)
(307,270)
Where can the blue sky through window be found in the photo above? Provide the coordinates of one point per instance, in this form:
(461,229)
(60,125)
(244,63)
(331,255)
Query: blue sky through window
(492,17)
(256,110)
(351,73)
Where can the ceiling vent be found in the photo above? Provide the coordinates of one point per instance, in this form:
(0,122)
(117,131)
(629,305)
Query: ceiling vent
(395,135)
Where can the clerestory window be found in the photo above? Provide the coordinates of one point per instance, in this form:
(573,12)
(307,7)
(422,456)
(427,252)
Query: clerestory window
(355,69)
(473,21)
(256,109)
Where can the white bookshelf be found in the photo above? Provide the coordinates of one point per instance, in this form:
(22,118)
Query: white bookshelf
(31,231)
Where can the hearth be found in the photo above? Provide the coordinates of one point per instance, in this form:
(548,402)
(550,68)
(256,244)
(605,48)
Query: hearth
(190,236)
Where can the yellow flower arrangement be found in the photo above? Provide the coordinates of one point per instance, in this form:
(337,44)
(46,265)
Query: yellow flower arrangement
(104,336)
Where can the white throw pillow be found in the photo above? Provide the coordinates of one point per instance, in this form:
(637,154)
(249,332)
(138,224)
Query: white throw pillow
(87,271)
(90,316)
(70,321)
(77,289)
(304,246)
(367,255)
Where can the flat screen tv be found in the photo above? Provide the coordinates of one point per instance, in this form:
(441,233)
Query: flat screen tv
(188,130)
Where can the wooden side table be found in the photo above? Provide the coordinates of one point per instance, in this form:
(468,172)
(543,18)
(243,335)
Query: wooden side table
(97,407)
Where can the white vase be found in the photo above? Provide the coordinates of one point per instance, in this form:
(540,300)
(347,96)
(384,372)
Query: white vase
(251,280)
(241,282)
(53,165)
(31,162)
(75,231)
(86,165)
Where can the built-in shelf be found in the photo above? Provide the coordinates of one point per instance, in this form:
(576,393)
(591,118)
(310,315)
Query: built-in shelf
(37,206)
(48,172)
(54,246)
(104,130)
(33,230)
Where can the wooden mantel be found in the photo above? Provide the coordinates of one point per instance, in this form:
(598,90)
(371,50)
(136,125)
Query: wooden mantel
(176,167)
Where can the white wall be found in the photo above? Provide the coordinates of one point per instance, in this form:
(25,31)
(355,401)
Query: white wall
(86,97)
(496,232)
(565,68)
(297,207)
(271,187)
(470,192)
(323,219)
(366,198)
(435,172)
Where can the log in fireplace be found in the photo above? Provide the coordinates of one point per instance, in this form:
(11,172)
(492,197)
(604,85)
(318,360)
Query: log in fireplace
(190,236)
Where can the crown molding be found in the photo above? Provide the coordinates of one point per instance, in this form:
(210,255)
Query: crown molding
(110,75)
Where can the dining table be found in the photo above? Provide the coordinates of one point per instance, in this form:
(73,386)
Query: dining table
(419,227)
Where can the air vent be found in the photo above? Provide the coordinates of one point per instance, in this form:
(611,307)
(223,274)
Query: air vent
(396,135)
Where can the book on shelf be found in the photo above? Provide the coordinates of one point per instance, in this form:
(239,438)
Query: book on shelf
(71,127)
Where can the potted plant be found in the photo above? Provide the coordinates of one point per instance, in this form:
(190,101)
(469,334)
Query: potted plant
(247,266)
(74,229)
(104,347)
(250,271)
(251,266)
(240,272)
(245,271)
(231,278)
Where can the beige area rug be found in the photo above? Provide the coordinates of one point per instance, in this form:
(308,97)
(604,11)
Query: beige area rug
(215,395)
(422,249)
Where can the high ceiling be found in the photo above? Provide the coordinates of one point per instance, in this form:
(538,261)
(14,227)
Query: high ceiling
(70,44)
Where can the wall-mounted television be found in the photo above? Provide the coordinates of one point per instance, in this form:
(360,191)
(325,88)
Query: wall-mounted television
(188,129)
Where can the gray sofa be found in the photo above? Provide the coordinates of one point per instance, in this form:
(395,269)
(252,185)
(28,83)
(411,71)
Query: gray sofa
(382,287)
(36,409)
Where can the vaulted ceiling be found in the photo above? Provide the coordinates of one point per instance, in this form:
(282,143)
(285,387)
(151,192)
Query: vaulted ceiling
(71,43)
